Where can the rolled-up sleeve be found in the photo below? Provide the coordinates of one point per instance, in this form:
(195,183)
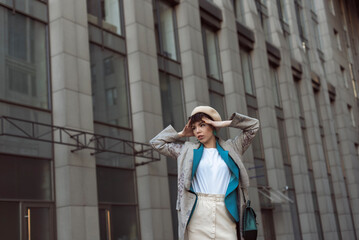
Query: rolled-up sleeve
(167,142)
(249,127)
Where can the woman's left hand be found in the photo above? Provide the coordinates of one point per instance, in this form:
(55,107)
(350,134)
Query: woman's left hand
(217,124)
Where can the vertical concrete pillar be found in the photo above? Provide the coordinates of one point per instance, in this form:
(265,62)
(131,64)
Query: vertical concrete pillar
(75,173)
(234,89)
(192,56)
(152,181)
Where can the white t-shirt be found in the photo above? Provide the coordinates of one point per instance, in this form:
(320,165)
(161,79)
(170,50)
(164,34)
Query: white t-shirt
(212,174)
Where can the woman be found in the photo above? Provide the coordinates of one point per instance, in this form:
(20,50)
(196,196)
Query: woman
(211,174)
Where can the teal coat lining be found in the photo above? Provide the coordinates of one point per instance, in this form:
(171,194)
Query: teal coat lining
(230,199)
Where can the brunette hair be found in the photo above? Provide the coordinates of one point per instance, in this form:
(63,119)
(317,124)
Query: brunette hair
(198,117)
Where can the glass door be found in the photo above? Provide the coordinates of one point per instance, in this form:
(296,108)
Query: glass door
(37,221)
(105,222)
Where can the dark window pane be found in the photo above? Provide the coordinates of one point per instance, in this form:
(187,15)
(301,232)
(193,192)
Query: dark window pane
(268,224)
(33,7)
(22,178)
(39,223)
(275,87)
(103,224)
(210,42)
(124,222)
(172,101)
(283,141)
(295,216)
(109,69)
(288,176)
(24,54)
(7,2)
(9,220)
(246,64)
(115,185)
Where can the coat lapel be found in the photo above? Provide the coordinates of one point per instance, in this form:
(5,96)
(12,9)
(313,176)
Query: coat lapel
(230,163)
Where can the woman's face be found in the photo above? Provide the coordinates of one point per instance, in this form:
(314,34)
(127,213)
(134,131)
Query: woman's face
(203,132)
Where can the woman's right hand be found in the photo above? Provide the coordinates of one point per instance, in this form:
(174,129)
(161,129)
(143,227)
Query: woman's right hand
(187,130)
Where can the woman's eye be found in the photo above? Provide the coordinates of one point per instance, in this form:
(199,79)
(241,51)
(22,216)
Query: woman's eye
(203,124)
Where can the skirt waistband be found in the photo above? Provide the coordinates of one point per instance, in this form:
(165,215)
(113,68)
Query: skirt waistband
(211,197)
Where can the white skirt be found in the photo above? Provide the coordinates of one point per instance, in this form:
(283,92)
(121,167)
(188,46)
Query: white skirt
(211,219)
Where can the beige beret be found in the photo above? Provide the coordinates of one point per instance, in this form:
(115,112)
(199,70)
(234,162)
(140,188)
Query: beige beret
(207,110)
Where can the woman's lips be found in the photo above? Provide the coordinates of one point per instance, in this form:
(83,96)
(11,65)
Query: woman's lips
(200,137)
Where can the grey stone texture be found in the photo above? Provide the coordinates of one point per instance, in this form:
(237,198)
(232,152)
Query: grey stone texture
(75,173)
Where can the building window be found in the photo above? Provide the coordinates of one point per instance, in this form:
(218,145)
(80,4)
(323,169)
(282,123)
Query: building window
(337,37)
(263,15)
(172,101)
(331,7)
(24,56)
(283,16)
(300,20)
(318,38)
(299,99)
(211,52)
(117,203)
(318,220)
(355,89)
(165,24)
(351,113)
(24,181)
(316,30)
(107,14)
(344,76)
(111,96)
(275,86)
(111,99)
(238,7)
(247,72)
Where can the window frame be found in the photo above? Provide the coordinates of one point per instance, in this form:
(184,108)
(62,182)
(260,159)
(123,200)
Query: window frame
(242,52)
(49,107)
(100,19)
(158,30)
(218,55)
(127,87)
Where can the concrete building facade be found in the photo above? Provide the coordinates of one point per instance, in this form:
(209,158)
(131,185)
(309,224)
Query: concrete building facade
(85,84)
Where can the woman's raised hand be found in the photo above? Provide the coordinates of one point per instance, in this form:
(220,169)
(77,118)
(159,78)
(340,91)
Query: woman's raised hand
(217,124)
(187,130)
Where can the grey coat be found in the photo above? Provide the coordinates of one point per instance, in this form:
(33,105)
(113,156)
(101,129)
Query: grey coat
(166,142)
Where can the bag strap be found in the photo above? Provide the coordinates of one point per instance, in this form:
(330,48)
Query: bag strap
(244,197)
